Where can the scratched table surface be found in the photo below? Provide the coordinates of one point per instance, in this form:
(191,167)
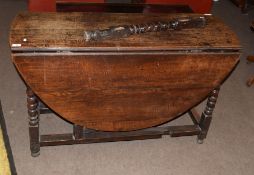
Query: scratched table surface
(120,84)
(66,31)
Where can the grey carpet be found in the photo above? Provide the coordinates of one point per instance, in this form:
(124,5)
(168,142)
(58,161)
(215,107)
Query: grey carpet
(228,150)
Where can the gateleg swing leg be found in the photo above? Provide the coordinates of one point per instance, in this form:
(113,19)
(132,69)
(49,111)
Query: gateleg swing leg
(33,113)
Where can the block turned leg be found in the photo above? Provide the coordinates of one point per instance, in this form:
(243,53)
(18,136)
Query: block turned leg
(206,116)
(33,113)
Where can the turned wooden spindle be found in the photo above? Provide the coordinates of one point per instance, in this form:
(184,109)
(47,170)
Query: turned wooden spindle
(127,30)
(33,112)
(206,116)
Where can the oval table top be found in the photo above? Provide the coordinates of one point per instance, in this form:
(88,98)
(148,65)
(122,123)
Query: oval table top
(122,84)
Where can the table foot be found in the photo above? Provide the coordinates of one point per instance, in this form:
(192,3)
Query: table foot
(200,141)
(35,154)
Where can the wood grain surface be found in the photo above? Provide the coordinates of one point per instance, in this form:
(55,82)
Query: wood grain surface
(65,31)
(123,92)
(120,84)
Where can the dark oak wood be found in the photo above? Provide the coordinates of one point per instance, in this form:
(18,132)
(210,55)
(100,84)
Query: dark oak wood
(141,81)
(120,89)
(194,115)
(43,109)
(32,105)
(100,136)
(125,31)
(77,132)
(65,32)
(206,116)
(123,92)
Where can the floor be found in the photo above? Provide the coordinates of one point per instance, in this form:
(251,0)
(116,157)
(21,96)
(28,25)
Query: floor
(228,150)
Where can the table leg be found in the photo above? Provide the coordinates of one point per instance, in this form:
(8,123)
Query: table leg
(33,113)
(81,136)
(77,132)
(206,116)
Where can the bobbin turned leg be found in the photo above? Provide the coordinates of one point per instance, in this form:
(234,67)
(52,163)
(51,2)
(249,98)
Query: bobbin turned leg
(77,132)
(33,113)
(206,116)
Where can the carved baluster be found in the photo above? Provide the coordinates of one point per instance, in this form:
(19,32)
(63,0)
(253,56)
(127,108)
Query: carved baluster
(127,30)
(33,112)
(206,116)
